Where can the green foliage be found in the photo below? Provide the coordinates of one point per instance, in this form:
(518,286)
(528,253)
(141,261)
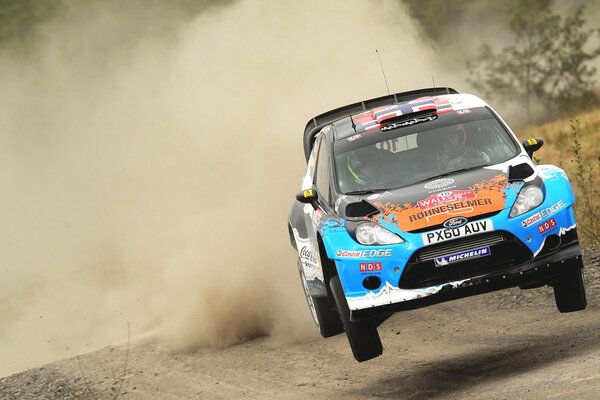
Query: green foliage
(587,209)
(442,20)
(434,15)
(18,18)
(548,63)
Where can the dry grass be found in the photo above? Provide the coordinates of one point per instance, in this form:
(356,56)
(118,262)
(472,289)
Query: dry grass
(559,149)
(557,141)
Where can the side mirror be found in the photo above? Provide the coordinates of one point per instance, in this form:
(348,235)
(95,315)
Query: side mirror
(532,144)
(308,196)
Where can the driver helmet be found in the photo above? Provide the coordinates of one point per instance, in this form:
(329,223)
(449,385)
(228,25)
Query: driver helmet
(456,139)
(363,165)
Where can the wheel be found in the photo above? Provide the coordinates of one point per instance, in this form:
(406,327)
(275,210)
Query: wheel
(362,335)
(326,320)
(569,291)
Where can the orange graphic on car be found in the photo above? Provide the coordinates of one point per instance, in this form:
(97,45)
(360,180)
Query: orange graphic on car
(484,197)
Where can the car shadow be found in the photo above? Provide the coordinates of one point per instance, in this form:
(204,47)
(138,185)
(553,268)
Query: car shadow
(445,376)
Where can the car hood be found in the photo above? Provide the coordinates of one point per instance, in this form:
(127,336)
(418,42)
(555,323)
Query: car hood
(430,203)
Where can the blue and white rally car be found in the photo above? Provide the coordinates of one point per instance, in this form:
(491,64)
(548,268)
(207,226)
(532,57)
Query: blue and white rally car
(421,197)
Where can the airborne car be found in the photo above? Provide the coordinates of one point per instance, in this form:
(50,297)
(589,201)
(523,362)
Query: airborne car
(421,197)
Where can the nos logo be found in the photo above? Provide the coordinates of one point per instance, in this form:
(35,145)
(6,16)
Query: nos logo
(455,222)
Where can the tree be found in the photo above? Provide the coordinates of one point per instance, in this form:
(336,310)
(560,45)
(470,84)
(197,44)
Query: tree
(19,18)
(547,64)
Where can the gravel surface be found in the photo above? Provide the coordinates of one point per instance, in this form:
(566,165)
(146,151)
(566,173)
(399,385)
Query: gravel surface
(504,345)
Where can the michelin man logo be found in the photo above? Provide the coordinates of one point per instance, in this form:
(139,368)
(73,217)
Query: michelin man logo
(440,262)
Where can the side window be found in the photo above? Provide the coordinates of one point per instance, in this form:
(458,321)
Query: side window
(322,176)
(312,161)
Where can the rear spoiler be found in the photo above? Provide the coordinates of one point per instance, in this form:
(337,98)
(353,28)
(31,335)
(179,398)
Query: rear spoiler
(315,124)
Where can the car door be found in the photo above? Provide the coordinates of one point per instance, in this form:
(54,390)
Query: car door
(319,179)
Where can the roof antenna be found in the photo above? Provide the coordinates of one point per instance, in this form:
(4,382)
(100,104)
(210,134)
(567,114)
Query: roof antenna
(383,72)
(434,88)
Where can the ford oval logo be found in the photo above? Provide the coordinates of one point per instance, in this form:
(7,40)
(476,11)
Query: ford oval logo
(455,222)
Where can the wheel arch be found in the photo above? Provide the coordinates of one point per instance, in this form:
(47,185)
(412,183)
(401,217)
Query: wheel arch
(328,267)
(557,183)
(296,221)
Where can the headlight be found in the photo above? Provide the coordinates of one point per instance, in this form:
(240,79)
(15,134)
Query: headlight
(370,233)
(529,198)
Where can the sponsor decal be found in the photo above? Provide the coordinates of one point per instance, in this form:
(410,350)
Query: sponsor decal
(308,193)
(445,198)
(378,195)
(487,197)
(463,112)
(543,227)
(540,215)
(307,254)
(455,222)
(370,267)
(445,189)
(463,255)
(467,204)
(439,183)
(354,137)
(317,215)
(472,228)
(364,253)
(531,220)
(411,121)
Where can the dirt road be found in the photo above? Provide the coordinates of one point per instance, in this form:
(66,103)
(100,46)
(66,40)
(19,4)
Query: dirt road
(506,345)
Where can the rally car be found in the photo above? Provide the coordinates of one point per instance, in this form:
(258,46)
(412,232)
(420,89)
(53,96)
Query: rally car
(421,197)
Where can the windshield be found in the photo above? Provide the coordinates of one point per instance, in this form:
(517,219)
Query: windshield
(386,159)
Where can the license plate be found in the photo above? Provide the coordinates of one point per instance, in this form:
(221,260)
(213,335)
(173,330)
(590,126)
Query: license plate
(471,228)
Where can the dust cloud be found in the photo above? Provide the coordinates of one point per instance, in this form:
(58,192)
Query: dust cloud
(147,177)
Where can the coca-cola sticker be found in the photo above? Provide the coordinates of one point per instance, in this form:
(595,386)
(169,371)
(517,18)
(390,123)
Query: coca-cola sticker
(307,254)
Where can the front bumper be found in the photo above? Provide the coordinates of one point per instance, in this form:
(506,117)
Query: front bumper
(535,271)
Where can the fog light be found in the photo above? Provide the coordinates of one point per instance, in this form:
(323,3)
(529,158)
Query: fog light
(371,282)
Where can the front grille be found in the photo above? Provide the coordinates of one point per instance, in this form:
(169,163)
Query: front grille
(505,250)
(456,246)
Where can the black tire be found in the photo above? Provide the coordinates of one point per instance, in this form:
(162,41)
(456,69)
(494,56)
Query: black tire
(362,335)
(326,319)
(569,291)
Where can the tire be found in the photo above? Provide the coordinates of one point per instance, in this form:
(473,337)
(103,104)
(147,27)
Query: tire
(362,335)
(325,318)
(569,291)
